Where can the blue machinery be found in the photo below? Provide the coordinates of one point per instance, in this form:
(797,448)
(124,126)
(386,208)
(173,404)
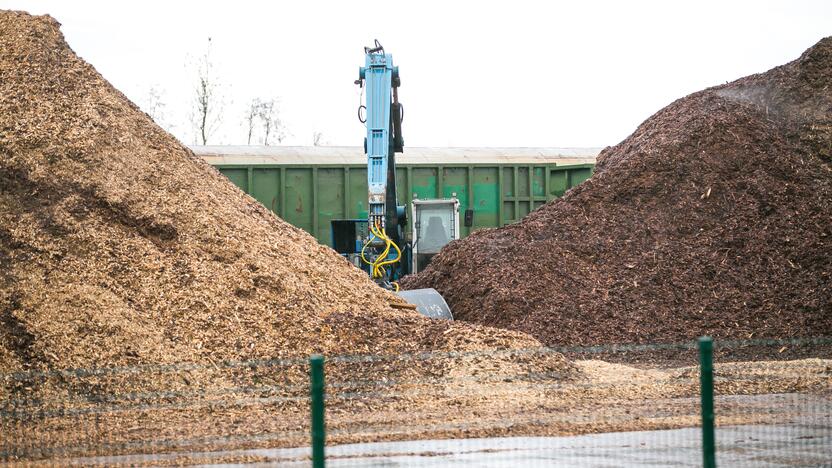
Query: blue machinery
(383,119)
(378,244)
(378,241)
(384,136)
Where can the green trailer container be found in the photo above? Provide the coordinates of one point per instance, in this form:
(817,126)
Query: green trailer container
(309,192)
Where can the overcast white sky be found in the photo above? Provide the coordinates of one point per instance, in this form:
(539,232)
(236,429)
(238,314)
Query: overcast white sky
(511,73)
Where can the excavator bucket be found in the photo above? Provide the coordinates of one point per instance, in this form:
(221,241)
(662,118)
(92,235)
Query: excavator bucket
(428,302)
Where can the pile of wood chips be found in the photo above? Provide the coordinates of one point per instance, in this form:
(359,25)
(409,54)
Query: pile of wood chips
(713,217)
(119,247)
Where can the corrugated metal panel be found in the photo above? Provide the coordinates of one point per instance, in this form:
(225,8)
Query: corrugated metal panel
(311,196)
(341,155)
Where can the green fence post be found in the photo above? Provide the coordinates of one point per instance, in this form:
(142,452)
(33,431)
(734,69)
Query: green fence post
(706,382)
(316,373)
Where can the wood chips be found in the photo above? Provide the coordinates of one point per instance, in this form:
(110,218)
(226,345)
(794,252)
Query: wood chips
(713,217)
(118,246)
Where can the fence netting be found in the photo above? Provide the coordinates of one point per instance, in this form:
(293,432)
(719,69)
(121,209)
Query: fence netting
(775,410)
(577,406)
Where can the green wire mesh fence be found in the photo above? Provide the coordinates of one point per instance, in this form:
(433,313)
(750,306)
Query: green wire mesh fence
(627,405)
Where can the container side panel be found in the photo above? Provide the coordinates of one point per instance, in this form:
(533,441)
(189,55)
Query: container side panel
(455,181)
(523,182)
(508,183)
(330,201)
(265,187)
(298,195)
(539,182)
(522,191)
(486,197)
(424,182)
(509,215)
(525,208)
(358,193)
(578,175)
(402,189)
(237,176)
(405,195)
(558,181)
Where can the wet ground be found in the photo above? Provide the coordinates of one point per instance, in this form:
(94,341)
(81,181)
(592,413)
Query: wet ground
(801,443)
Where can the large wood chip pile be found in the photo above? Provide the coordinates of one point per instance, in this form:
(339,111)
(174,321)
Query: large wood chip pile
(118,246)
(714,217)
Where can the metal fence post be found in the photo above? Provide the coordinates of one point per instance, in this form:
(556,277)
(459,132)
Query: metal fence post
(706,382)
(316,373)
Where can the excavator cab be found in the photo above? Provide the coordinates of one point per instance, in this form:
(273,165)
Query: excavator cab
(435,224)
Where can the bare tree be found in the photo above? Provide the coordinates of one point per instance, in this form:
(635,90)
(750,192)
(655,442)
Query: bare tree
(317,138)
(207,116)
(252,114)
(272,125)
(264,114)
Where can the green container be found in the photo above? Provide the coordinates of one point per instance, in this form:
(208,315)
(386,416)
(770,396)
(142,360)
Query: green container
(310,195)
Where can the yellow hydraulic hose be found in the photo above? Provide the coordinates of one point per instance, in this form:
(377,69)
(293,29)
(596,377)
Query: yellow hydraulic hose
(378,264)
(379,272)
(398,251)
(378,232)
(373,268)
(374,263)
(389,242)
(362,251)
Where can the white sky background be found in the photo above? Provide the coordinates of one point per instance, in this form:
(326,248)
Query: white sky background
(512,73)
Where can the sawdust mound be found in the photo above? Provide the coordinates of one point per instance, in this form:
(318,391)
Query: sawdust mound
(714,217)
(118,246)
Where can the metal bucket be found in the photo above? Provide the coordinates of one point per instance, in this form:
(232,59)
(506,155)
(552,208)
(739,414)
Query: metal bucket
(428,302)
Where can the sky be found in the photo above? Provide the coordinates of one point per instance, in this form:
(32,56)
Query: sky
(518,73)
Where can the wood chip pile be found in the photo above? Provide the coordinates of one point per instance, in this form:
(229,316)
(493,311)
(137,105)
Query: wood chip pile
(714,217)
(118,246)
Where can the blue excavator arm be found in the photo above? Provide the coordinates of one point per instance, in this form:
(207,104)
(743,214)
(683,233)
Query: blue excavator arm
(382,250)
(385,218)
(383,120)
